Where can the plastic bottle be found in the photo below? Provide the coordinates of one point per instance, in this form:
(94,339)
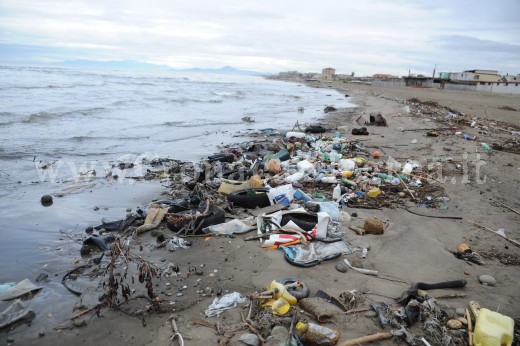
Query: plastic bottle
(374,192)
(336,192)
(347,174)
(314,334)
(329,180)
(485,146)
(493,329)
(407,168)
(347,182)
(385,176)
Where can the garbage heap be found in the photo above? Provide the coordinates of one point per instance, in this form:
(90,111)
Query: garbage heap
(292,190)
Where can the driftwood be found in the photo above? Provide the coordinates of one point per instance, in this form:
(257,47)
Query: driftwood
(407,187)
(366,339)
(508,207)
(493,231)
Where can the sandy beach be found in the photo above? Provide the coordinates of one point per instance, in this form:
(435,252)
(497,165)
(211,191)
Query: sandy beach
(412,249)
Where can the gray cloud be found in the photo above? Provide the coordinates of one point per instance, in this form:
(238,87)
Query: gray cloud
(362,36)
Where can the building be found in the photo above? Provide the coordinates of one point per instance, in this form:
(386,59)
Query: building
(289,75)
(475,76)
(511,78)
(328,73)
(419,81)
(444,75)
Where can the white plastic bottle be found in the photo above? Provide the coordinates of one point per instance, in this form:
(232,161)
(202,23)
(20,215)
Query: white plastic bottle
(336,193)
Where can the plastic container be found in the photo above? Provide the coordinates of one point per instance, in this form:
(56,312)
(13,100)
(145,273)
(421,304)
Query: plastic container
(329,180)
(348,183)
(485,146)
(336,192)
(493,329)
(294,177)
(347,164)
(305,166)
(374,192)
(314,334)
(280,307)
(282,155)
(299,194)
(385,176)
(407,168)
(281,292)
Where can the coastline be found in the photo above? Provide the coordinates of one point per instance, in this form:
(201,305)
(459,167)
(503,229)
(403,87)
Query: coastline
(413,248)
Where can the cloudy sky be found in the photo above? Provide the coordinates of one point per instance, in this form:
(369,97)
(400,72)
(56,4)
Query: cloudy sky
(362,36)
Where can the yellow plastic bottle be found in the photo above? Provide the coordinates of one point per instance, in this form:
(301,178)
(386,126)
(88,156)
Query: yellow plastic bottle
(374,192)
(493,329)
(282,292)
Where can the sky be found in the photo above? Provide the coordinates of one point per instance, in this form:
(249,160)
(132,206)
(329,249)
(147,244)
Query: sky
(362,36)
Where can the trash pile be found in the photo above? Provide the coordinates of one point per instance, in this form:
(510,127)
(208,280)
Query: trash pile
(293,190)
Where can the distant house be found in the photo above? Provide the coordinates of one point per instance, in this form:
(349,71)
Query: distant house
(328,73)
(419,81)
(475,76)
(511,78)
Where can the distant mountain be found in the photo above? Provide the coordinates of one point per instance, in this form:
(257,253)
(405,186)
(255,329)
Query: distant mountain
(225,70)
(114,65)
(133,65)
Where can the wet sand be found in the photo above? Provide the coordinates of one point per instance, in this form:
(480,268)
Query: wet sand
(413,249)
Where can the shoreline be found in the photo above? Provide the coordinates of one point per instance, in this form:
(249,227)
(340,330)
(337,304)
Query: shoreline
(413,248)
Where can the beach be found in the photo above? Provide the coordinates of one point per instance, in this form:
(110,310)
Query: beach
(412,249)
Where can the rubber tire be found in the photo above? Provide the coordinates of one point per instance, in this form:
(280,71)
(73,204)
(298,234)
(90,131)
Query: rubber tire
(241,199)
(315,129)
(229,158)
(238,174)
(304,293)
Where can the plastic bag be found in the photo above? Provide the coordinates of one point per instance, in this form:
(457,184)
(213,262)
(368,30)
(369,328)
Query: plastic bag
(314,253)
(234,226)
(229,301)
(177,243)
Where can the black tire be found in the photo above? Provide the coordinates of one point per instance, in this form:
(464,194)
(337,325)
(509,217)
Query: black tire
(316,129)
(242,199)
(304,221)
(222,158)
(238,174)
(301,293)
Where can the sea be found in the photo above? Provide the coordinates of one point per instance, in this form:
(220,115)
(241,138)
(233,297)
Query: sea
(59,125)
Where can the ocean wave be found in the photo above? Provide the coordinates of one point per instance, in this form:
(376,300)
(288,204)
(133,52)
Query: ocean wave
(196,123)
(184,100)
(49,86)
(90,138)
(46,116)
(230,94)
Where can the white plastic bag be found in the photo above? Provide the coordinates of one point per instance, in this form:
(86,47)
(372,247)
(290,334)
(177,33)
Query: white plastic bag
(229,301)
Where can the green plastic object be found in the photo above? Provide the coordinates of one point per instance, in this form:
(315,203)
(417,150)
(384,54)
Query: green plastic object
(282,155)
(485,146)
(320,196)
(347,182)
